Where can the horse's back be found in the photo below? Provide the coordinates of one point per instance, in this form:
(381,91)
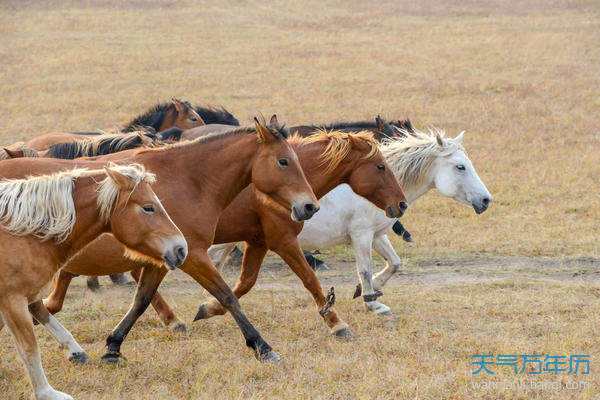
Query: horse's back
(205,130)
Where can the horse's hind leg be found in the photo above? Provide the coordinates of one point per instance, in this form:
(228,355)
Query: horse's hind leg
(63,336)
(384,248)
(60,285)
(251,262)
(120,280)
(19,322)
(162,308)
(150,279)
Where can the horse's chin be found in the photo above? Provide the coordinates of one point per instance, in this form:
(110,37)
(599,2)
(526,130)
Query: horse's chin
(139,257)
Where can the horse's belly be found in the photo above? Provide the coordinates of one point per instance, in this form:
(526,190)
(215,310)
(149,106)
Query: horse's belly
(103,256)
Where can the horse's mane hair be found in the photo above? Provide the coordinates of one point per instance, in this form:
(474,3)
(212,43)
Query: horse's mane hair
(106,144)
(43,206)
(412,155)
(339,145)
(216,115)
(341,125)
(154,118)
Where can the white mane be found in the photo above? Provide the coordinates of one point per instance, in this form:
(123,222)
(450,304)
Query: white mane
(43,205)
(412,156)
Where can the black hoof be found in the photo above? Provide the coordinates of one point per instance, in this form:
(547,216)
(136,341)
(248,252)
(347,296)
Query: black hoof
(78,358)
(344,334)
(121,280)
(113,357)
(202,313)
(93,284)
(357,291)
(270,357)
(180,327)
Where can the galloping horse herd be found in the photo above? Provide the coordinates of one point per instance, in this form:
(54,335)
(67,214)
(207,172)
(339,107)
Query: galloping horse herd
(180,185)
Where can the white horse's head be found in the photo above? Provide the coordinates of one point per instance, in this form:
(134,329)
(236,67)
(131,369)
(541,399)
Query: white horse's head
(455,176)
(423,160)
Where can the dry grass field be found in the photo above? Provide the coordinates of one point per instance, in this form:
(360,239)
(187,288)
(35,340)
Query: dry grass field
(522,78)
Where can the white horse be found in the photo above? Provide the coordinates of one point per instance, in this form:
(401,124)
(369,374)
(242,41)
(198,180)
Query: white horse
(420,161)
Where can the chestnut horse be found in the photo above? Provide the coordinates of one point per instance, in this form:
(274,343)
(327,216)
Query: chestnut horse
(328,159)
(162,116)
(205,176)
(47,219)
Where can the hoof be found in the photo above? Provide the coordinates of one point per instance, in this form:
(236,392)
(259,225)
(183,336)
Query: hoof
(78,358)
(202,313)
(344,334)
(357,291)
(114,358)
(121,280)
(270,357)
(179,327)
(93,284)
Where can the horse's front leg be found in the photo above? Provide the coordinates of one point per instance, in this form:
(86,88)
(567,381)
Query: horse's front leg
(292,254)
(251,262)
(162,308)
(150,279)
(362,244)
(62,336)
(384,248)
(60,285)
(199,267)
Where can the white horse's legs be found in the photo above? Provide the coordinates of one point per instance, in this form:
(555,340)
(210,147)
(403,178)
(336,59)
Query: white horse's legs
(364,266)
(218,253)
(19,322)
(384,248)
(62,336)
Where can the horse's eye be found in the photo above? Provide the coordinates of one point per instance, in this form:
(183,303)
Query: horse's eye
(148,208)
(283,162)
(381,167)
(193,119)
(460,167)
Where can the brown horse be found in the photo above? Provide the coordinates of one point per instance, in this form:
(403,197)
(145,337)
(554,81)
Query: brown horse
(328,160)
(47,219)
(205,175)
(162,116)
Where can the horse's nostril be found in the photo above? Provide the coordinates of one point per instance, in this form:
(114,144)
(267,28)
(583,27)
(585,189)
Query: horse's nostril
(403,206)
(486,201)
(310,207)
(180,252)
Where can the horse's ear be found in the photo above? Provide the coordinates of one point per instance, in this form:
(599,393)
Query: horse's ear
(263,133)
(179,105)
(122,181)
(273,121)
(14,153)
(406,125)
(380,123)
(459,139)
(439,139)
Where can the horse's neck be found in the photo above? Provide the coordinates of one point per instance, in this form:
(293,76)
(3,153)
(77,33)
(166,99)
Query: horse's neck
(412,194)
(88,224)
(321,183)
(221,167)
(168,121)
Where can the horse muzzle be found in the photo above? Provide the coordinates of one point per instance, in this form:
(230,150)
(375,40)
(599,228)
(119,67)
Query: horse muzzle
(175,257)
(481,205)
(396,211)
(304,210)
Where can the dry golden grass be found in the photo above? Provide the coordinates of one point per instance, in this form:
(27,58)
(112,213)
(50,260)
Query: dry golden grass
(522,78)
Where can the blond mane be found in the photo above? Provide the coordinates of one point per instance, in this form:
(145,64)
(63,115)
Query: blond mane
(412,156)
(43,206)
(339,145)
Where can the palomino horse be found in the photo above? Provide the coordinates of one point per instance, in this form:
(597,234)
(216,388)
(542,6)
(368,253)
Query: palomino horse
(162,116)
(328,160)
(46,219)
(205,176)
(420,161)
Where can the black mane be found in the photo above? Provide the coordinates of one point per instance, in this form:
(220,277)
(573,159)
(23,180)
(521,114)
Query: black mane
(214,115)
(153,118)
(113,144)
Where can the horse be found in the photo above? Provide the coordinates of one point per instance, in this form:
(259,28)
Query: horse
(158,118)
(47,219)
(228,163)
(328,159)
(420,161)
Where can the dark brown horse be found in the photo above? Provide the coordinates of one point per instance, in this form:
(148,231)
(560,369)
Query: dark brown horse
(328,159)
(228,163)
(162,116)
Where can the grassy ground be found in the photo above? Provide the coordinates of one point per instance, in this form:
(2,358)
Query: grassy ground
(522,78)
